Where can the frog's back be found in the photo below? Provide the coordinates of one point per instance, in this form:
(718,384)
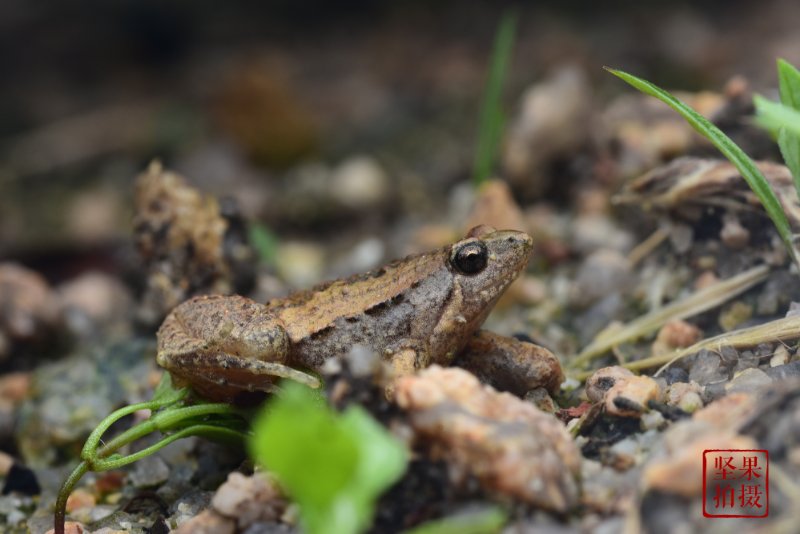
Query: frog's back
(313,311)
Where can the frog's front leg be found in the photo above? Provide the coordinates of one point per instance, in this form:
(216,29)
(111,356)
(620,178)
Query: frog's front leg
(404,358)
(223,345)
(508,364)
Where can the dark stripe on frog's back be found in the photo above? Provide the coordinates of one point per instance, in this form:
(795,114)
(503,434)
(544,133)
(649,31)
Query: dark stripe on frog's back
(407,318)
(308,312)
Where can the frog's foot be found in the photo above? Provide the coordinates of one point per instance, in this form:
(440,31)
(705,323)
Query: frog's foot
(403,361)
(221,376)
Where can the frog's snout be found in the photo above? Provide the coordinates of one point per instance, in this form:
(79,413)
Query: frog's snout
(516,240)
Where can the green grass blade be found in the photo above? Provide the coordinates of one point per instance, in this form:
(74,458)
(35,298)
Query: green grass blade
(491,119)
(775,116)
(789,80)
(729,149)
(790,150)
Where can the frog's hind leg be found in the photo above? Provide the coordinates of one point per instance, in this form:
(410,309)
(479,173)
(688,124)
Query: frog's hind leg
(221,376)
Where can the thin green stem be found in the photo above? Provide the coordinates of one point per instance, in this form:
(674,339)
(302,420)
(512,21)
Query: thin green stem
(174,416)
(96,436)
(169,418)
(163,421)
(491,115)
(210,431)
(64,493)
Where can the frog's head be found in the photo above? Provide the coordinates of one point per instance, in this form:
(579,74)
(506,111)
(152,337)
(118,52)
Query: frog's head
(485,263)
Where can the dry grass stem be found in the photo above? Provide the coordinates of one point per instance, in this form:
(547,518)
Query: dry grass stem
(697,302)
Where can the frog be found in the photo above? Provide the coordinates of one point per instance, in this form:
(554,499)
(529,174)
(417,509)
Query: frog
(414,312)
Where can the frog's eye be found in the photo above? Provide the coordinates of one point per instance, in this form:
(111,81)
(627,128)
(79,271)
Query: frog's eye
(470,258)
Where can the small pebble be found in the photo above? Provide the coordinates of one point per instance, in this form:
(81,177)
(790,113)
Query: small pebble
(713,392)
(70,527)
(748,381)
(780,357)
(685,396)
(786,371)
(675,374)
(733,234)
(551,123)
(652,420)
(249,499)
(94,299)
(706,369)
(110,481)
(501,440)
(15,387)
(747,360)
(359,183)
(706,278)
(148,472)
(681,236)
(28,306)
(362,361)
(593,232)
(366,255)
(207,522)
(495,205)
(674,335)
(540,398)
(603,273)
(629,397)
(300,264)
(624,454)
(602,380)
(6,461)
(80,498)
(729,356)
(728,411)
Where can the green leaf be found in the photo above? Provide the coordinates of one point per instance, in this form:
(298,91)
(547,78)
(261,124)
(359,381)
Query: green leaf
(382,459)
(789,82)
(333,466)
(729,149)
(490,126)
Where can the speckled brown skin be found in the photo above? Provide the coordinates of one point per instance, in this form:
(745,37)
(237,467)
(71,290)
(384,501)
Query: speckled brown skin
(415,311)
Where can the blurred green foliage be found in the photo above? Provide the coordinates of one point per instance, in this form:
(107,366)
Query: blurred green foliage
(334,466)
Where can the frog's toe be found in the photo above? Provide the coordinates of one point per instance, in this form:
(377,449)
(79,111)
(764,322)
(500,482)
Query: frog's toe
(273,369)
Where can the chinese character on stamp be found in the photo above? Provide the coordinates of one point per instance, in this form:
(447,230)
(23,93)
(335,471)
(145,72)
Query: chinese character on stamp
(735,483)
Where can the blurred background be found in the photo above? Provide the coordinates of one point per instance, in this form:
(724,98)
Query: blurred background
(266,101)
